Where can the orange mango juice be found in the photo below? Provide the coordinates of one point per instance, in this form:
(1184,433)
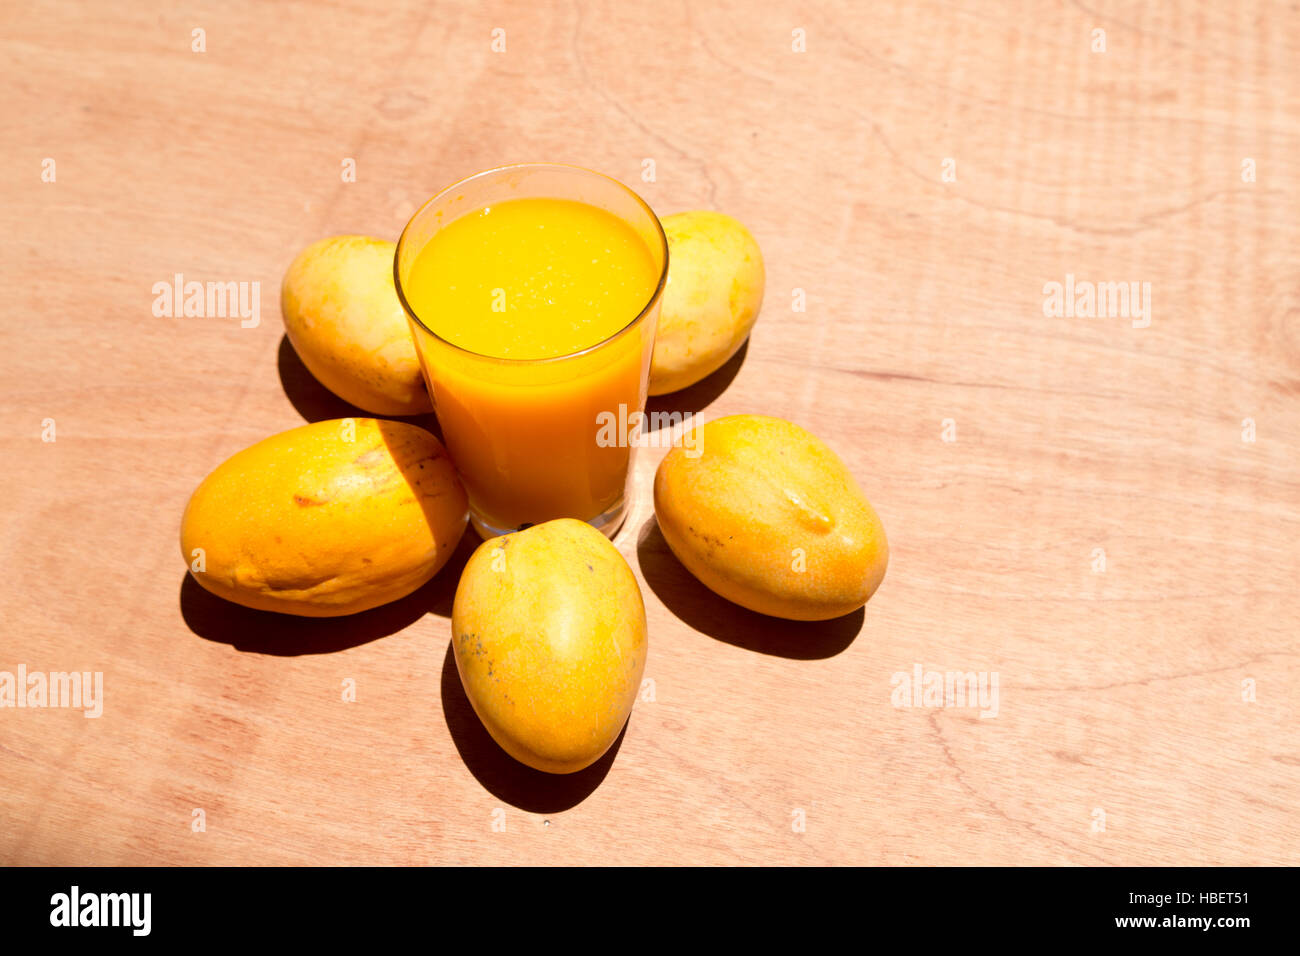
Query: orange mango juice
(533,305)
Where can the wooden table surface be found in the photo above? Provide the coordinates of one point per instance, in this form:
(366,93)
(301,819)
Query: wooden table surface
(1101,512)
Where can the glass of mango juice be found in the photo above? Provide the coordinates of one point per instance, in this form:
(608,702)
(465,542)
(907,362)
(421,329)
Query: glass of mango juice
(533,293)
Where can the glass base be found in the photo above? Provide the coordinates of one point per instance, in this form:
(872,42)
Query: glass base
(606,523)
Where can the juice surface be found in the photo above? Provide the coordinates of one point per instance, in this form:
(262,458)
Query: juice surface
(532,278)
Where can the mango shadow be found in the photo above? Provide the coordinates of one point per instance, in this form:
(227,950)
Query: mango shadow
(312,400)
(730,623)
(316,403)
(501,774)
(697,397)
(288,635)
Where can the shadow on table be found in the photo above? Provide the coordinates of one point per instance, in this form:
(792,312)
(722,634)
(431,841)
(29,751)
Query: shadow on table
(312,400)
(700,395)
(287,635)
(504,776)
(719,618)
(316,403)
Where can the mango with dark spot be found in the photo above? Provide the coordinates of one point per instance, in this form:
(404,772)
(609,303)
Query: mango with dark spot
(549,636)
(764,514)
(326,519)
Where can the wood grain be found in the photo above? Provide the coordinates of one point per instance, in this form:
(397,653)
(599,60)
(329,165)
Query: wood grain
(1121,691)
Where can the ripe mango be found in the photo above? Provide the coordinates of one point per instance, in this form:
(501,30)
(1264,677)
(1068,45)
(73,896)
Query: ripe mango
(549,635)
(766,515)
(714,291)
(343,317)
(326,519)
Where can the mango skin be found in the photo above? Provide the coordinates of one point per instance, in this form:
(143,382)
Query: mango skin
(714,291)
(759,489)
(549,636)
(307,522)
(343,318)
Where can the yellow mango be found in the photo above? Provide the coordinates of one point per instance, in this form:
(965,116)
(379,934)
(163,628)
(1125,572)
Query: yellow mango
(766,515)
(549,635)
(343,317)
(326,519)
(714,291)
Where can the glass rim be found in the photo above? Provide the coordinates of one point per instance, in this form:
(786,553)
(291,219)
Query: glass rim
(640,316)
